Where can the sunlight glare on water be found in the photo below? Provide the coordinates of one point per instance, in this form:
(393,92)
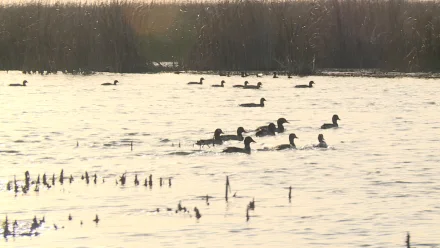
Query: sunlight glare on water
(379,179)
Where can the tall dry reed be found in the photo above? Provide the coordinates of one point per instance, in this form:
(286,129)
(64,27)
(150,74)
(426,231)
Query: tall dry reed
(298,36)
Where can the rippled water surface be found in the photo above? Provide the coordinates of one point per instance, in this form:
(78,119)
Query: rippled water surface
(379,179)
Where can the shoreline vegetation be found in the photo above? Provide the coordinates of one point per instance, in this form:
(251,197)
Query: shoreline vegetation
(389,38)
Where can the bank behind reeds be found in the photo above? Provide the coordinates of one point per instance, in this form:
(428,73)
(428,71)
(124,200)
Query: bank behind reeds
(244,35)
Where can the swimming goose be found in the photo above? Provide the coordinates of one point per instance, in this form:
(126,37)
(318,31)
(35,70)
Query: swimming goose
(222,84)
(279,129)
(246,149)
(322,143)
(114,83)
(305,85)
(223,74)
(292,145)
(334,123)
(269,131)
(259,84)
(214,141)
(239,135)
(261,104)
(241,86)
(24,84)
(201,81)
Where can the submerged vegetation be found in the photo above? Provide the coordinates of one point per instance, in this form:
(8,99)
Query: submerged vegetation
(294,36)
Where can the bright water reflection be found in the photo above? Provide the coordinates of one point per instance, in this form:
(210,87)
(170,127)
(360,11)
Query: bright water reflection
(380,179)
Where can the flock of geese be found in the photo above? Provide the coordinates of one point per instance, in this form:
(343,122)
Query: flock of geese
(269,130)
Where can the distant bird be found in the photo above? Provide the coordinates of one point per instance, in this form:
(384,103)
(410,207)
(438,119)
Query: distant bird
(275,74)
(198,215)
(321,143)
(270,131)
(70,217)
(279,129)
(244,74)
(289,75)
(201,81)
(223,74)
(255,87)
(334,123)
(261,104)
(239,135)
(241,86)
(216,140)
(96,219)
(246,149)
(310,85)
(114,83)
(291,144)
(222,84)
(24,84)
(259,74)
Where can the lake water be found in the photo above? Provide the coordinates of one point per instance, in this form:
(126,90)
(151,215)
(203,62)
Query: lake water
(379,179)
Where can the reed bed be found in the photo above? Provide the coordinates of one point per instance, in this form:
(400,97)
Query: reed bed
(294,36)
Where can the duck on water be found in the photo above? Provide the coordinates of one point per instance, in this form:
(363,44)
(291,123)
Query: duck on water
(334,123)
(200,82)
(246,149)
(214,141)
(279,129)
(291,144)
(310,85)
(114,83)
(222,84)
(239,135)
(250,105)
(23,84)
(241,85)
(269,131)
(256,87)
(322,143)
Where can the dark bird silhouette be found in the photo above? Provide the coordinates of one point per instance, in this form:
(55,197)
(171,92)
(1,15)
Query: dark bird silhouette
(334,123)
(201,81)
(70,217)
(214,141)
(239,135)
(269,131)
(23,84)
(291,144)
(261,104)
(275,75)
(279,129)
(241,85)
(246,149)
(255,87)
(310,85)
(222,84)
(114,83)
(322,143)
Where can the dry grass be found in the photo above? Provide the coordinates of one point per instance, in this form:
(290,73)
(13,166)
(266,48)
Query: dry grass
(121,36)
